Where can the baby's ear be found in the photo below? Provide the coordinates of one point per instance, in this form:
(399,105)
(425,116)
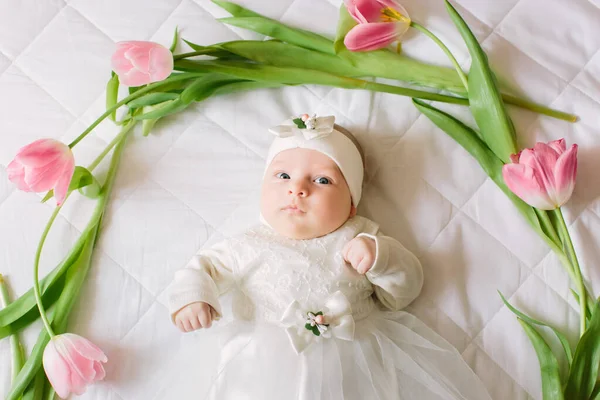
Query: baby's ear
(352,211)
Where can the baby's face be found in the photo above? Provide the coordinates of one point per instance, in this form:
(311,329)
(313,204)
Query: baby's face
(304,195)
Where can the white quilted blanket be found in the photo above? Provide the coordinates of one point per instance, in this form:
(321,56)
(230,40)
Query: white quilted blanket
(196,178)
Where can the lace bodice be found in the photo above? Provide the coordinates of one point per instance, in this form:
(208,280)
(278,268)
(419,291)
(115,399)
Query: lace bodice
(267,272)
(272,271)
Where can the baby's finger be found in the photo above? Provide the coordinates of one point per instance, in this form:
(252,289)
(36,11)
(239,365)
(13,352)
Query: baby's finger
(195,323)
(179,325)
(204,318)
(346,249)
(187,326)
(364,265)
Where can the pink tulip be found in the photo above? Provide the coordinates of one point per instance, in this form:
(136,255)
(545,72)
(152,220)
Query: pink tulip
(543,177)
(138,63)
(71,363)
(43,165)
(380,22)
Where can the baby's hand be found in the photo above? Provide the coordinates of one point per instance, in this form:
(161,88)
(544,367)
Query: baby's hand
(194,316)
(360,253)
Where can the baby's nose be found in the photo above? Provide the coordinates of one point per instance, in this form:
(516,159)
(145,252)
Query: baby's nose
(298,189)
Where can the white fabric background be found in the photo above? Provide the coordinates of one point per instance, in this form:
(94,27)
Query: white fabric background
(195,179)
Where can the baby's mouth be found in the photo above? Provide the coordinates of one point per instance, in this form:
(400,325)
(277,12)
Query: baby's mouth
(292,208)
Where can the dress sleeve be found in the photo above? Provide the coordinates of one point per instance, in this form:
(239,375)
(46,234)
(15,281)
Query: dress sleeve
(396,273)
(208,275)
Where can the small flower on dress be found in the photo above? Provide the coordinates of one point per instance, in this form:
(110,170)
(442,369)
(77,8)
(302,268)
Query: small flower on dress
(315,322)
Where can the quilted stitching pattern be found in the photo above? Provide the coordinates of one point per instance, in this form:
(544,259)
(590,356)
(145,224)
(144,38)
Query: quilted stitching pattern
(195,179)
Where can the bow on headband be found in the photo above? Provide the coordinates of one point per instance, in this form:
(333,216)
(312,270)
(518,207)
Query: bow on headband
(310,127)
(305,327)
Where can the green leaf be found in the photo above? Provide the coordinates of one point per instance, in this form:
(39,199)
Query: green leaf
(17,354)
(596,393)
(112,94)
(277,30)
(387,64)
(212,51)
(280,54)
(75,277)
(245,85)
(204,87)
(247,19)
(235,10)
(82,180)
(48,196)
(295,76)
(551,386)
(175,40)
(486,101)
(588,314)
(170,107)
(29,315)
(345,23)
(85,182)
(26,302)
(586,363)
(36,388)
(151,99)
(58,316)
(490,163)
(299,123)
(563,340)
(24,309)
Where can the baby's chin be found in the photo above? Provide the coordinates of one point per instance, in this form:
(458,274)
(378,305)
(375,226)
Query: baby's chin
(299,228)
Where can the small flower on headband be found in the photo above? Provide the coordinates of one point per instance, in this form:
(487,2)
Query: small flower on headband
(310,127)
(306,122)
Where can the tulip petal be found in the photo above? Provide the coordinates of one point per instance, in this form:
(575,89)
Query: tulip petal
(368,10)
(139,57)
(161,63)
(134,78)
(16,174)
(352,11)
(565,173)
(100,372)
(558,145)
(118,62)
(366,37)
(57,370)
(40,153)
(44,178)
(81,369)
(86,348)
(542,159)
(62,184)
(522,181)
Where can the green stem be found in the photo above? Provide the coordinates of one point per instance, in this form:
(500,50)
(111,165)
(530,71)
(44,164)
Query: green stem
(112,144)
(531,106)
(442,46)
(36,265)
(576,270)
(132,96)
(18,356)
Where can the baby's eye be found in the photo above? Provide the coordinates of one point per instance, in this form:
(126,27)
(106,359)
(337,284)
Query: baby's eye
(322,180)
(283,175)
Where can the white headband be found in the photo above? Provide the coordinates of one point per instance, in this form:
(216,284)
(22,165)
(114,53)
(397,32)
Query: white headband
(319,134)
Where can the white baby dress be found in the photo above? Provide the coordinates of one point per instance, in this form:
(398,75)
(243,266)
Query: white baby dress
(274,348)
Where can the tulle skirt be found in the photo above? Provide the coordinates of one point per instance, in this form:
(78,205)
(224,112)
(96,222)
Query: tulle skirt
(393,356)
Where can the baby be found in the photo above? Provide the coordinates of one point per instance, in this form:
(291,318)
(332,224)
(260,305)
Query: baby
(317,290)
